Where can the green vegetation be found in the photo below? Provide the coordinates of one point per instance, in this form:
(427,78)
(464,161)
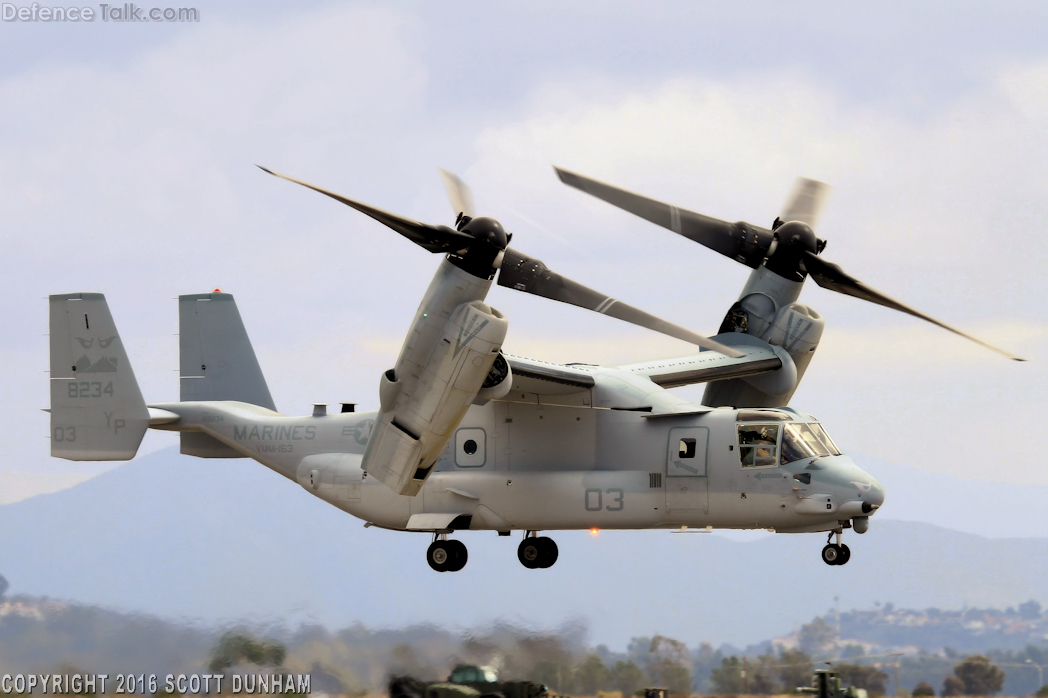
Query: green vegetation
(952,686)
(980,676)
(765,674)
(871,678)
(43,635)
(923,689)
(236,648)
(817,636)
(626,677)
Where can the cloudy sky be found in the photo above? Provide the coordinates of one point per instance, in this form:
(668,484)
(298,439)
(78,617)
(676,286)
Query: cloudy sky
(127,156)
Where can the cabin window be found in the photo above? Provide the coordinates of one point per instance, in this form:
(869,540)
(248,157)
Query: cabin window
(687,448)
(759,445)
(470,448)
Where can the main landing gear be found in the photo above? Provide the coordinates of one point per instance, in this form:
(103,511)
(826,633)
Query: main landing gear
(446,555)
(835,553)
(536,552)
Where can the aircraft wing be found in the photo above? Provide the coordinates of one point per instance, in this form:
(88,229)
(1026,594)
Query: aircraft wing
(758,357)
(543,378)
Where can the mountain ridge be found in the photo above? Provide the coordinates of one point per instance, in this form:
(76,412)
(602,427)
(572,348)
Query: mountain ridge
(218,541)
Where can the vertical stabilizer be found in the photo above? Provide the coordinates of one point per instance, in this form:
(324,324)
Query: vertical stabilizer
(216,362)
(216,359)
(97,410)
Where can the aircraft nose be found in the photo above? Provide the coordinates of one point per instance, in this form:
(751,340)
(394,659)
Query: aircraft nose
(859,485)
(876,493)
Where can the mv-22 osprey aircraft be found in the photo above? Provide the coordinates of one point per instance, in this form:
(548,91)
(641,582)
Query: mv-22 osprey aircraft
(468,437)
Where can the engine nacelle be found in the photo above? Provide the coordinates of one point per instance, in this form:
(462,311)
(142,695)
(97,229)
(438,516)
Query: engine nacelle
(498,382)
(425,396)
(797,328)
(793,330)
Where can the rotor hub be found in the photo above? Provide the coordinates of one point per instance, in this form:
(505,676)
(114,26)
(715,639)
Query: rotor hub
(487,231)
(489,243)
(793,239)
(798,236)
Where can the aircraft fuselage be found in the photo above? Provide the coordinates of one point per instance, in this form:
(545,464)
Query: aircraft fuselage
(528,466)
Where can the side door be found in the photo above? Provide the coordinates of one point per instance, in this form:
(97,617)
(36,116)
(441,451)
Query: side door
(687,486)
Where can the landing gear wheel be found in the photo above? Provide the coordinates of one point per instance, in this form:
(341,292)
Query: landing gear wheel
(832,554)
(441,555)
(529,552)
(548,552)
(537,553)
(845,555)
(458,555)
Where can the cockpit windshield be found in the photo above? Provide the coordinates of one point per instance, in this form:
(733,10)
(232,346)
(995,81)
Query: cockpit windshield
(801,441)
(825,438)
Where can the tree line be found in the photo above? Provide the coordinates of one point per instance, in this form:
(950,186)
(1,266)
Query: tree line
(41,635)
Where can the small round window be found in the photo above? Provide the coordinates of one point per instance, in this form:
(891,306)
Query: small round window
(470,447)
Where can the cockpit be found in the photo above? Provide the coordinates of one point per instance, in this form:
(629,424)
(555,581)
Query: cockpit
(768,445)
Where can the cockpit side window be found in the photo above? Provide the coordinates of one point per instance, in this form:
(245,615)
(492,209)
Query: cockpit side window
(759,444)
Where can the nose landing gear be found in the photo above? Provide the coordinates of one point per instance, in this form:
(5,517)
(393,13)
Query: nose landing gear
(835,553)
(446,555)
(537,552)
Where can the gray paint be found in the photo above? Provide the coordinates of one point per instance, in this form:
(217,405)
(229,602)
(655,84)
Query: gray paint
(556,467)
(601,450)
(97,410)
(216,359)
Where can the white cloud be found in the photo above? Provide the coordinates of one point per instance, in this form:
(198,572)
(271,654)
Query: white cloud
(939,214)
(943,199)
(135,179)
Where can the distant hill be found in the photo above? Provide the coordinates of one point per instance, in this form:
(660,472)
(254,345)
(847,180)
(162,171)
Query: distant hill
(43,636)
(216,540)
(990,509)
(969,630)
(40,636)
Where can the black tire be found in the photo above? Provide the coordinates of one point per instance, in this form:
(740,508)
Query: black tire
(459,555)
(529,552)
(831,554)
(845,555)
(548,552)
(440,555)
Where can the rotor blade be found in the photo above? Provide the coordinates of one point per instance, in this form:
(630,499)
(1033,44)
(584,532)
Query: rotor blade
(435,238)
(530,275)
(459,194)
(745,243)
(830,276)
(806,201)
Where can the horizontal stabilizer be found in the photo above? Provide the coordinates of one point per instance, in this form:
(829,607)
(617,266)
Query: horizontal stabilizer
(97,410)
